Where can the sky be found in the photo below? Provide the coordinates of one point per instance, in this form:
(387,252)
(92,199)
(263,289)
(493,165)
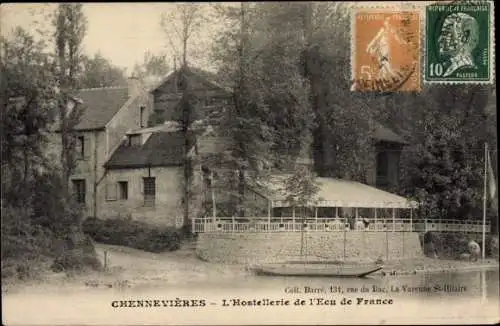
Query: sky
(122,32)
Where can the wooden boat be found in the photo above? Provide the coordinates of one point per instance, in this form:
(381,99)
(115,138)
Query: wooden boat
(317,270)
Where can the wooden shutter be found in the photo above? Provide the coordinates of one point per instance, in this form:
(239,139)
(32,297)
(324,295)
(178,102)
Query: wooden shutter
(86,148)
(111,191)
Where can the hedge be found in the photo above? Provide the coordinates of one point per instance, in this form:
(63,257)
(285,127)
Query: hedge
(131,233)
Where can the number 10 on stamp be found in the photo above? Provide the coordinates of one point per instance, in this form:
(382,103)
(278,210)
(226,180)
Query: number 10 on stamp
(459,43)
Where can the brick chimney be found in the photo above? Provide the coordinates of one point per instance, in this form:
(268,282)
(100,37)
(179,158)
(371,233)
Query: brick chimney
(134,86)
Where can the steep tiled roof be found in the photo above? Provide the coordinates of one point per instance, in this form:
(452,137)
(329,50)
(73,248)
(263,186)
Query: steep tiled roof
(161,149)
(207,76)
(100,104)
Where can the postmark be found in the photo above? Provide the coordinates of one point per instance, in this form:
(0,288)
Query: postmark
(459,43)
(385,50)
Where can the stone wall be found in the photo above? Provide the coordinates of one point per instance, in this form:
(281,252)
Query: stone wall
(250,248)
(167,210)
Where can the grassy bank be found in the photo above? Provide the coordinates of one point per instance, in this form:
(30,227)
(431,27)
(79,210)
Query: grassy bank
(127,267)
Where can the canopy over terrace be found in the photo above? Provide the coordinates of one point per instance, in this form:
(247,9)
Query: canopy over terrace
(341,193)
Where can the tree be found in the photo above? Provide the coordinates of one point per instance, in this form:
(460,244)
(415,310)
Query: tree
(153,65)
(301,189)
(99,72)
(180,25)
(342,138)
(268,123)
(187,107)
(70,28)
(36,214)
(445,163)
(27,110)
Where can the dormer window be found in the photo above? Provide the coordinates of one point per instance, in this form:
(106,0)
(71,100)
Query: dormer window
(134,140)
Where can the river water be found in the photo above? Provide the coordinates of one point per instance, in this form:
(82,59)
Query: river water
(463,298)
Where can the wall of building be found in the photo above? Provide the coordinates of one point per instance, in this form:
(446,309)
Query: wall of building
(168,95)
(168,208)
(90,168)
(249,248)
(128,118)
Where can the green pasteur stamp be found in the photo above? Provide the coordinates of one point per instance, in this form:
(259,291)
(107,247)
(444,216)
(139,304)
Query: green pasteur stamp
(460,43)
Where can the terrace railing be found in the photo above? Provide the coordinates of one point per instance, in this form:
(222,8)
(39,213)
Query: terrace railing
(311,224)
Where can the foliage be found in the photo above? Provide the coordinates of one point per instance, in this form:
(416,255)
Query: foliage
(444,165)
(78,257)
(51,208)
(37,213)
(446,126)
(30,241)
(70,28)
(450,245)
(27,111)
(127,232)
(21,238)
(153,66)
(180,25)
(268,124)
(301,188)
(99,72)
(342,139)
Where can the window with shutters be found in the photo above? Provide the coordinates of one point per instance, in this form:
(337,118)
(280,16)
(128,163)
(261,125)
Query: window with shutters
(123,189)
(79,190)
(80,147)
(111,191)
(149,184)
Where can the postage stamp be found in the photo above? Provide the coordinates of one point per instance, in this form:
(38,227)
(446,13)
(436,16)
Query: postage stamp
(459,43)
(385,50)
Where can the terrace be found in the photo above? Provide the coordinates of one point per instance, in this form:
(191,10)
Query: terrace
(340,206)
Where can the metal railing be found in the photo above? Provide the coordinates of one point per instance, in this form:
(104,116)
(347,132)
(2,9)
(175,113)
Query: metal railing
(311,224)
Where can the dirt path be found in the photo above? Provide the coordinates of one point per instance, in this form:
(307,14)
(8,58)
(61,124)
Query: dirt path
(172,267)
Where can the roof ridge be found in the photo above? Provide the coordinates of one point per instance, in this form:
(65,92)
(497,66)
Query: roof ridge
(101,88)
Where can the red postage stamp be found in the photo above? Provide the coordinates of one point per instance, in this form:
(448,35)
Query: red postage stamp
(385,50)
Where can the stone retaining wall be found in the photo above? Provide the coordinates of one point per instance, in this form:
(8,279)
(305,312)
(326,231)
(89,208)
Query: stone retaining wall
(248,248)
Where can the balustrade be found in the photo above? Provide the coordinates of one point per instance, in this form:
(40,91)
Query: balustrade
(311,224)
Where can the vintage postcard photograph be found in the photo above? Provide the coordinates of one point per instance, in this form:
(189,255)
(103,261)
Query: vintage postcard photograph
(249,163)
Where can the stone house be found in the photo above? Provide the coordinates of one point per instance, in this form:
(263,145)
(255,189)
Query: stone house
(109,112)
(144,176)
(129,167)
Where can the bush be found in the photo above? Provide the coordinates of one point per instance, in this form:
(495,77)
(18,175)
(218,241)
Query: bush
(51,207)
(452,244)
(20,238)
(25,247)
(127,232)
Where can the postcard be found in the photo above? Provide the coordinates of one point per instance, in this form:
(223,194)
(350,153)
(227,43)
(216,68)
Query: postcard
(249,163)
